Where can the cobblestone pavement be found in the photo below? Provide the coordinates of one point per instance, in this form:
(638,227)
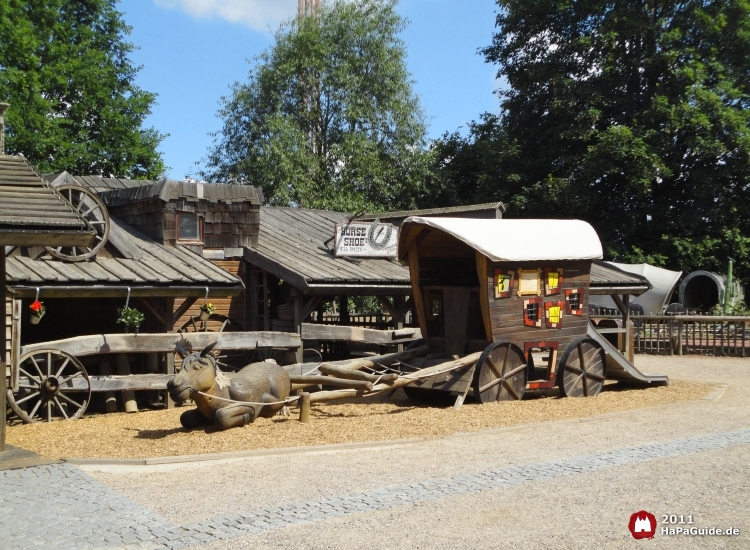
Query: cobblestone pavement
(59,506)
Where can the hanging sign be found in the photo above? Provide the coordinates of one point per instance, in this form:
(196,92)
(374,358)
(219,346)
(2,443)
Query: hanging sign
(366,239)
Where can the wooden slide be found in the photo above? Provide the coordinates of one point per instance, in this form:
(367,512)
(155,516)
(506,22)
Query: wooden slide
(619,368)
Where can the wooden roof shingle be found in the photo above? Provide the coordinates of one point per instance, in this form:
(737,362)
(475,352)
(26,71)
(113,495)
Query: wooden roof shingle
(31,209)
(156,265)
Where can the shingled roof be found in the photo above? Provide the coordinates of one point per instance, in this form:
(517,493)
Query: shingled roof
(116,191)
(134,260)
(292,246)
(608,279)
(31,209)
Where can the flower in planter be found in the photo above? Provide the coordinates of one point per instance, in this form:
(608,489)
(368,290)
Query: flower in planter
(131,318)
(38,309)
(208,307)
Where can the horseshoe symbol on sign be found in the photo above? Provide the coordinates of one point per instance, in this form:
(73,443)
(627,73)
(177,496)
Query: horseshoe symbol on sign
(379,235)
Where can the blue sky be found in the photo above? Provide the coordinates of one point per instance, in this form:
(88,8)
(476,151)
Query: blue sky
(193,50)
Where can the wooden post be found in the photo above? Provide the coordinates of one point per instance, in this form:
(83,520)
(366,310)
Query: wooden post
(2,361)
(344,308)
(110,403)
(304,407)
(169,360)
(298,306)
(625,322)
(128,397)
(679,337)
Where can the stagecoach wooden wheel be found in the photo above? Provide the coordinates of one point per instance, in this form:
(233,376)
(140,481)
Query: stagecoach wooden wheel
(500,373)
(91,208)
(52,384)
(217,323)
(582,369)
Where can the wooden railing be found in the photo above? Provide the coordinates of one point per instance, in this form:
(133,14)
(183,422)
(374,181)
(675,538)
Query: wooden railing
(690,334)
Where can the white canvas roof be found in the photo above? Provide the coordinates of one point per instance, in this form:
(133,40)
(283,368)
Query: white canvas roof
(517,240)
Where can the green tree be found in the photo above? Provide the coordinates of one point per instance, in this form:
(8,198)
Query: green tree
(632,115)
(327,117)
(64,69)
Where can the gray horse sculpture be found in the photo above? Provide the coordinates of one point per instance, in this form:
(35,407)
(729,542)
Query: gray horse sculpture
(257,384)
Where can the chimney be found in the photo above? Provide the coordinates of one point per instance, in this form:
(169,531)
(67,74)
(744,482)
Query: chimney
(3,107)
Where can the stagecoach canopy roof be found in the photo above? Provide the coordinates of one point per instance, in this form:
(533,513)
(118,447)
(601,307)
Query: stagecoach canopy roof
(512,240)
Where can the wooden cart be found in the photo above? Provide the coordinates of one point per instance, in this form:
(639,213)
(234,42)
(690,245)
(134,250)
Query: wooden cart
(516,289)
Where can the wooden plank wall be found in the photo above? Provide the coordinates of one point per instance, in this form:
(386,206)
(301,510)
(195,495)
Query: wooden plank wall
(236,308)
(506,314)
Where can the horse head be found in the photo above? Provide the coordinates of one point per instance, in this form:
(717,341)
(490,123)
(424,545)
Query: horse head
(198,373)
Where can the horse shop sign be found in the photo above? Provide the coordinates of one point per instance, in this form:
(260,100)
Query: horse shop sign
(366,239)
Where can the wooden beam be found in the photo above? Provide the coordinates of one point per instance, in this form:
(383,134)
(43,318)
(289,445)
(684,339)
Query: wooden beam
(94,344)
(315,331)
(484,298)
(368,289)
(45,237)
(416,290)
(620,304)
(387,305)
(311,304)
(183,308)
(401,382)
(372,362)
(155,311)
(293,278)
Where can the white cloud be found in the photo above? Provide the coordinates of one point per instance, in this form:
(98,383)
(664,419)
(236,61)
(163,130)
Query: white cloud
(257,14)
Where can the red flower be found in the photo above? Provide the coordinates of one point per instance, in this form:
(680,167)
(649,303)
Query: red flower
(36,306)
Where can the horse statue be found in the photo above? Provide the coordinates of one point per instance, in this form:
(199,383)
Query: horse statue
(214,394)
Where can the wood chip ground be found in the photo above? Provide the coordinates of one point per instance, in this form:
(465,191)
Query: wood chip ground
(158,433)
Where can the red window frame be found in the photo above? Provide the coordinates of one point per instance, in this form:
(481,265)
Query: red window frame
(569,310)
(511,275)
(549,291)
(539,312)
(547,306)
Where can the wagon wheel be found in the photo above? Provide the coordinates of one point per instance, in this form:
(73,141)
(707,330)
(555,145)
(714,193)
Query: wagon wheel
(500,374)
(50,381)
(582,369)
(218,323)
(92,209)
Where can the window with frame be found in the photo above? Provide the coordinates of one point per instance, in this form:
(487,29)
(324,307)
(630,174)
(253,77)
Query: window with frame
(189,227)
(532,312)
(574,301)
(553,313)
(553,278)
(503,283)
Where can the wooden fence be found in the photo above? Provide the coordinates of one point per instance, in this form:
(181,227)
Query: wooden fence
(690,334)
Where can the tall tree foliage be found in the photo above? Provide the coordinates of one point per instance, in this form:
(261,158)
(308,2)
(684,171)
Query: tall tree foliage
(64,68)
(631,114)
(327,117)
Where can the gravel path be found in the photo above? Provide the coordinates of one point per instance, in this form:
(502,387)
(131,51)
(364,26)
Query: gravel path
(582,511)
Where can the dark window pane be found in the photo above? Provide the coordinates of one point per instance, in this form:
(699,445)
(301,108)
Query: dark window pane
(188,230)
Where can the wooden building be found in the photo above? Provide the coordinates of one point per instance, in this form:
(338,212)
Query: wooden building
(32,213)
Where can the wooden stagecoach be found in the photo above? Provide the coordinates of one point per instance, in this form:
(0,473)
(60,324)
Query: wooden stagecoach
(517,290)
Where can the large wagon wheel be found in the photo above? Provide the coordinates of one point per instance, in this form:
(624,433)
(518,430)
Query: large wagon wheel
(51,383)
(218,323)
(500,373)
(582,369)
(92,209)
